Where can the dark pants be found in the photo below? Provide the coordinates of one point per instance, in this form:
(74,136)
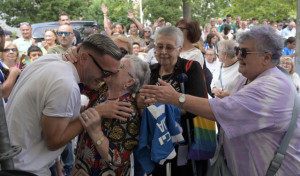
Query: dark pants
(68,159)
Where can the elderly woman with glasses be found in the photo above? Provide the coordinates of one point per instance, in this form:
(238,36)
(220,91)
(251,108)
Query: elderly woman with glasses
(110,154)
(258,112)
(168,43)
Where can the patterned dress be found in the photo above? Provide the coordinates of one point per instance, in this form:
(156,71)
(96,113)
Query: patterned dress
(123,140)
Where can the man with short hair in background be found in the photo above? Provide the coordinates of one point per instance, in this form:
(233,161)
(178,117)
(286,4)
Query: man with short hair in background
(24,42)
(64,19)
(228,21)
(254,22)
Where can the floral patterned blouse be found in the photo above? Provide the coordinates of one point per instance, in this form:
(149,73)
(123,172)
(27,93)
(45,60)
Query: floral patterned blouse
(123,140)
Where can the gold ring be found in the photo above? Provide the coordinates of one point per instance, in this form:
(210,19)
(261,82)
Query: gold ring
(154,96)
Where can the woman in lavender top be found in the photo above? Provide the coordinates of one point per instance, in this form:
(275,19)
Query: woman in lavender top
(257,113)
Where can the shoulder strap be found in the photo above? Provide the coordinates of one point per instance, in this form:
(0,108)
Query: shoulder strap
(279,156)
(188,65)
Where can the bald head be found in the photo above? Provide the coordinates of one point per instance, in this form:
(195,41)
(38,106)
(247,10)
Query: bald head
(65,36)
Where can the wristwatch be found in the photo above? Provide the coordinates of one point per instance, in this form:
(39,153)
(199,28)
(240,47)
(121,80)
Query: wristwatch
(181,100)
(99,142)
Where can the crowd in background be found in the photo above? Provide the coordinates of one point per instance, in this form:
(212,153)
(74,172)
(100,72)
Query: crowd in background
(160,50)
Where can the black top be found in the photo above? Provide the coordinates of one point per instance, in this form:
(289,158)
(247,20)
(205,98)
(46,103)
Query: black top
(195,85)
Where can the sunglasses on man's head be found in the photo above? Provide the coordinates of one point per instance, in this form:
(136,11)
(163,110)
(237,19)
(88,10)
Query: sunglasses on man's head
(65,33)
(10,49)
(244,52)
(25,23)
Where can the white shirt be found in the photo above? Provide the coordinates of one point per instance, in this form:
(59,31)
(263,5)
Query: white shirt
(47,86)
(228,78)
(193,54)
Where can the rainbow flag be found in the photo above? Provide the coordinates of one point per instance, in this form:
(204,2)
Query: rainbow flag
(205,139)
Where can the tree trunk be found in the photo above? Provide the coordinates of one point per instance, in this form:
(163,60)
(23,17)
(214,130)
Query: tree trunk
(186,9)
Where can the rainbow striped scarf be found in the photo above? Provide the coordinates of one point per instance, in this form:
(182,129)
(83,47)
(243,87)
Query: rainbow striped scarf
(205,139)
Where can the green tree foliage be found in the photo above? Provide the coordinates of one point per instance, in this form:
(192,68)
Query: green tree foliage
(204,10)
(117,11)
(169,9)
(35,11)
(273,10)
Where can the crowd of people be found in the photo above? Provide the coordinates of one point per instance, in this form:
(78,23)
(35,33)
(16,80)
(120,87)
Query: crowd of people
(233,73)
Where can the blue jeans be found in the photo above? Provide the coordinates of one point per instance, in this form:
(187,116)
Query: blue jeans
(68,159)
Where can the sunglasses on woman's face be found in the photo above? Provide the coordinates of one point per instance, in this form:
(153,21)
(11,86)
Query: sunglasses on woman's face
(10,49)
(244,52)
(123,51)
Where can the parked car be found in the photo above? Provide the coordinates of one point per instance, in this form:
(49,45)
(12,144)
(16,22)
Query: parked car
(38,29)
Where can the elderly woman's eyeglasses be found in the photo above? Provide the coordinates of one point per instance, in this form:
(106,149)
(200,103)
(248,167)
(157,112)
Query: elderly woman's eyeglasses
(10,49)
(244,52)
(169,48)
(65,33)
(104,72)
(122,66)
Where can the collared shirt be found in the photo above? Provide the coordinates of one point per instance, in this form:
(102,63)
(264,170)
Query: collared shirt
(23,44)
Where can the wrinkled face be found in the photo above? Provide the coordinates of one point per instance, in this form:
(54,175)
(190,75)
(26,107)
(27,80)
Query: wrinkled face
(209,56)
(133,29)
(65,35)
(123,76)
(35,55)
(166,51)
(287,65)
(64,20)
(26,31)
(252,65)
(50,38)
(92,75)
(10,54)
(136,49)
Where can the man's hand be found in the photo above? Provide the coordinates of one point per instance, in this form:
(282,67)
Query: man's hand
(114,109)
(219,93)
(71,54)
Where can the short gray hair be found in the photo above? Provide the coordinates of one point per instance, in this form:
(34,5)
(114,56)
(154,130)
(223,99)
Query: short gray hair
(148,27)
(266,40)
(228,47)
(171,31)
(102,45)
(139,70)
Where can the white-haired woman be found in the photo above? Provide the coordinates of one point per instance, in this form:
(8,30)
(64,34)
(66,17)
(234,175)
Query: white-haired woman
(106,149)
